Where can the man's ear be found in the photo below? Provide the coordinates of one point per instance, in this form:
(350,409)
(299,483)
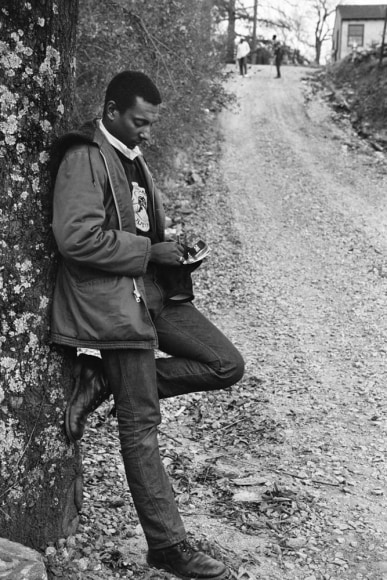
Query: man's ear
(111,110)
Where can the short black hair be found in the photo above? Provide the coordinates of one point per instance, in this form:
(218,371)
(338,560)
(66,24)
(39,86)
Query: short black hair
(125,87)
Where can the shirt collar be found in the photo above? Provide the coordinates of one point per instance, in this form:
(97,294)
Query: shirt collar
(129,153)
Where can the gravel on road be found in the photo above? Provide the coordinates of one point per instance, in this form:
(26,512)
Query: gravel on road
(284,475)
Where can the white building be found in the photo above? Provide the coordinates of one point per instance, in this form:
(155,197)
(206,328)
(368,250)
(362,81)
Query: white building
(357,26)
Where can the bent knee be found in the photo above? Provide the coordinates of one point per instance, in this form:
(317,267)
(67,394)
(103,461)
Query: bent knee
(233,370)
(239,368)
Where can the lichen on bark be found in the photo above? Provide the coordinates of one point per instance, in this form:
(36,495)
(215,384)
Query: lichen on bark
(36,62)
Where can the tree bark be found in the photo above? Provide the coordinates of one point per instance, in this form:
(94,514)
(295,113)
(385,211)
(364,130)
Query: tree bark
(254,40)
(383,41)
(40,474)
(231,31)
(318,45)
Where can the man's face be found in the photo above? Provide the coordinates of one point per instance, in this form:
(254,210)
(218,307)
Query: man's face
(134,125)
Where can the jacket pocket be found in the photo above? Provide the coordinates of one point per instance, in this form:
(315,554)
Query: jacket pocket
(87,274)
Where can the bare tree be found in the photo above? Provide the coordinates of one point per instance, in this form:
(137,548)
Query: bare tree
(270,17)
(312,26)
(322,9)
(231,11)
(380,64)
(309,25)
(40,474)
(254,40)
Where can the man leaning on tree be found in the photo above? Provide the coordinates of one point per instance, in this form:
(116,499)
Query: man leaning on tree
(114,293)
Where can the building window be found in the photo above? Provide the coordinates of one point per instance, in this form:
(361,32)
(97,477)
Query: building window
(355,34)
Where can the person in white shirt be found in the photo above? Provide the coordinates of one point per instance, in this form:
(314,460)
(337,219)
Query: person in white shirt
(243,49)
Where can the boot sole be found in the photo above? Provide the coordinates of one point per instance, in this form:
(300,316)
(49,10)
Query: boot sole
(223,576)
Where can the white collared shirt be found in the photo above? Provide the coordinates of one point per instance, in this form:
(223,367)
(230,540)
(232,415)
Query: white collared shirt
(129,153)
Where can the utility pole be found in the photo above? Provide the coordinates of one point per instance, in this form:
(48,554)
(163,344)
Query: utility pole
(254,43)
(383,40)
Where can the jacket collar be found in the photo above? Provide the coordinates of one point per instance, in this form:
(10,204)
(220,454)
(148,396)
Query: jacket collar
(122,148)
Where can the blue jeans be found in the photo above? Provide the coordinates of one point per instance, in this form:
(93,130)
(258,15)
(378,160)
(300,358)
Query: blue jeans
(243,65)
(203,359)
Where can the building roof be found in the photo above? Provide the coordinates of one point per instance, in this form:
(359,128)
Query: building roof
(362,12)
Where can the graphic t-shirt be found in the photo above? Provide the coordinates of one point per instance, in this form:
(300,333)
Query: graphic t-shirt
(142,202)
(140,207)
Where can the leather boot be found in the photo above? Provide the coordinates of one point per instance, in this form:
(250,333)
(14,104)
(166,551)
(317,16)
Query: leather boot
(185,562)
(90,390)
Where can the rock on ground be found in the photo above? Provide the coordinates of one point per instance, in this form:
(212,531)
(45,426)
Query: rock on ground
(17,562)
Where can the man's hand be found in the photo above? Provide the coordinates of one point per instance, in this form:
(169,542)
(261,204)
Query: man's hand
(167,253)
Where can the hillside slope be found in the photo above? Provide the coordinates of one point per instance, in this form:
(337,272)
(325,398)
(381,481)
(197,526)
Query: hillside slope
(357,87)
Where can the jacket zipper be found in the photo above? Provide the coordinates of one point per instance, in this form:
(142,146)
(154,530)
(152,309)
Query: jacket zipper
(136,292)
(153,197)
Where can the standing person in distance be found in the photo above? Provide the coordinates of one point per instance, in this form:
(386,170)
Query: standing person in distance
(243,49)
(278,55)
(114,294)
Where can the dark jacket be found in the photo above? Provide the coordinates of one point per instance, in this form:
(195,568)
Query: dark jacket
(99,297)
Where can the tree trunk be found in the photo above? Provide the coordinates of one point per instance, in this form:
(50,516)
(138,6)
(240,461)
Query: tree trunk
(40,474)
(318,50)
(254,41)
(383,41)
(231,32)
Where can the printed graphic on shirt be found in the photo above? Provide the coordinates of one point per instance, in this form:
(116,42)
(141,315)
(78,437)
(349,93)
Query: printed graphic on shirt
(140,204)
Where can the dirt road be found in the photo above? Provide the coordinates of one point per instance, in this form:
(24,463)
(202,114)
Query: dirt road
(284,474)
(306,205)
